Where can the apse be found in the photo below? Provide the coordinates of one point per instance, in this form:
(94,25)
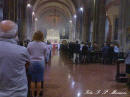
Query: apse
(55,23)
(53,17)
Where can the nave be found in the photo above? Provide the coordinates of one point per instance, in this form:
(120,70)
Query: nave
(65,79)
(84,29)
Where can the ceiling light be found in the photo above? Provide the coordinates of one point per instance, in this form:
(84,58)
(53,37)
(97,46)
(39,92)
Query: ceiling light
(29,5)
(75,16)
(81,9)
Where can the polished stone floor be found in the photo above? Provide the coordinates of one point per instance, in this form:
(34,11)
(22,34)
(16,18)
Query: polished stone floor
(64,79)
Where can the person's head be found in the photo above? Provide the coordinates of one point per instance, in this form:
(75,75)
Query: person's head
(82,42)
(94,44)
(112,45)
(48,42)
(89,44)
(77,42)
(108,44)
(105,44)
(85,43)
(129,48)
(38,36)
(116,45)
(8,29)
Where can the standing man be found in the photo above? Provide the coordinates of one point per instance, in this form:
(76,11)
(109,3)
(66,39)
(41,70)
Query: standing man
(76,52)
(105,50)
(116,53)
(13,81)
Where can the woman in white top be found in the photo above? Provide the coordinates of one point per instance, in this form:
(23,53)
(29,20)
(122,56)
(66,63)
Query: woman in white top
(37,51)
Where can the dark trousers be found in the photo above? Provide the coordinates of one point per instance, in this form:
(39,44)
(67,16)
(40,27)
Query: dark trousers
(128,68)
(115,57)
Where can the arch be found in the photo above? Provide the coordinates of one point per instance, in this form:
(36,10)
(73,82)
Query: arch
(67,3)
(57,8)
(115,2)
(41,9)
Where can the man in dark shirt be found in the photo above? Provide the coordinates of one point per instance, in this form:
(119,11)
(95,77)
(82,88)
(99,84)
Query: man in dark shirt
(111,53)
(76,52)
(105,51)
(84,53)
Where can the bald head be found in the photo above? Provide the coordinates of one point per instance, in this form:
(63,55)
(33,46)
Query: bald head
(8,29)
(7,25)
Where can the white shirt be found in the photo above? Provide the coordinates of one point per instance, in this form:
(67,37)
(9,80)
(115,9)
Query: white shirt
(37,50)
(49,48)
(58,46)
(81,47)
(116,49)
(13,81)
(127,60)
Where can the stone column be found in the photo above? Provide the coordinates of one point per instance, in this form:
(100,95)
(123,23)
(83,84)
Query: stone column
(5,9)
(77,27)
(15,10)
(85,28)
(10,10)
(1,10)
(99,17)
(95,11)
(29,23)
(88,24)
(100,36)
(21,5)
(124,25)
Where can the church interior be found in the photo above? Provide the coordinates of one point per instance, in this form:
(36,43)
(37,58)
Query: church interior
(88,20)
(66,21)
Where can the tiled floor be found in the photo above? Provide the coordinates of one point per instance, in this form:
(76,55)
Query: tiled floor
(64,79)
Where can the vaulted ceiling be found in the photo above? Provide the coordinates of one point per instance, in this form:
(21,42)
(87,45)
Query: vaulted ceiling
(68,8)
(70,5)
(60,12)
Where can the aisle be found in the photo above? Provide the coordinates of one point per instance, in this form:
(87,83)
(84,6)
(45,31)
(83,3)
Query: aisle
(64,79)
